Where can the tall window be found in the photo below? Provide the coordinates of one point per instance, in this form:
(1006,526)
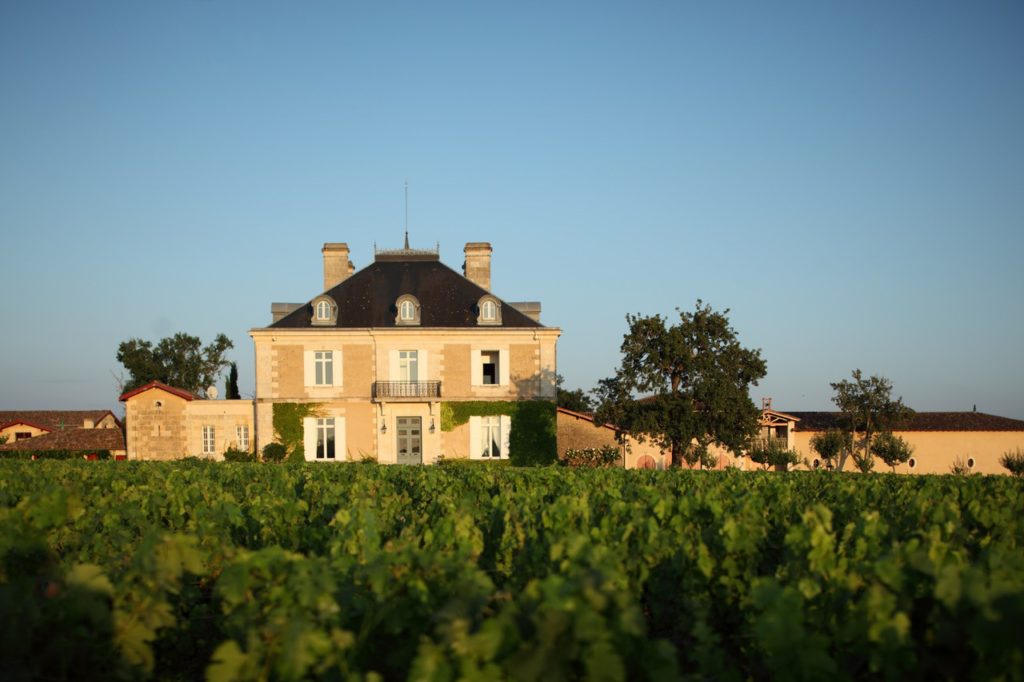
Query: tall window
(490,437)
(325,438)
(324,362)
(209,440)
(407,311)
(323,310)
(489,358)
(242,436)
(489,311)
(408,365)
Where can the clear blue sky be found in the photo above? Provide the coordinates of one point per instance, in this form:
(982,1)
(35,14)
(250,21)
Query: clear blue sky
(847,178)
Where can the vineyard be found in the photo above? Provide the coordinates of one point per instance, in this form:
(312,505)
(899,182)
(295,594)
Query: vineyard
(197,570)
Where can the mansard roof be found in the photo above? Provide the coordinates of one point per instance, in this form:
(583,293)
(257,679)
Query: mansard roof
(367,298)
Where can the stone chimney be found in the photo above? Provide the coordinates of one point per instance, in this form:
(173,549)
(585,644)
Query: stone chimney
(336,264)
(477,266)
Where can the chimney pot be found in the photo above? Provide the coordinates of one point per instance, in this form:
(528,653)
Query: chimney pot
(477,266)
(336,264)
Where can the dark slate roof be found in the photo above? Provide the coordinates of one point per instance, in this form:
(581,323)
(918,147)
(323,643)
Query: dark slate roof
(922,421)
(71,439)
(367,298)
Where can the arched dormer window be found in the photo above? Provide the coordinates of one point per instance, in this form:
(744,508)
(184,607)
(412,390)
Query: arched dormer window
(325,311)
(408,310)
(488,311)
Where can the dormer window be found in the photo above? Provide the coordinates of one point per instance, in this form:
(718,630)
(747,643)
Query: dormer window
(408,309)
(489,311)
(325,311)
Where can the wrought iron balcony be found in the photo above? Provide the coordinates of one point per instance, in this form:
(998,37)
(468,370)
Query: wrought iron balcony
(406,390)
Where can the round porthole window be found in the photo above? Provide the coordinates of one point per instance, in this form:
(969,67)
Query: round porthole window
(817,463)
(911,462)
(158,404)
(970,462)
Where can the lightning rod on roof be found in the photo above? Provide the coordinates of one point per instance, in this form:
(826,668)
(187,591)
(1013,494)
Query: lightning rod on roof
(406,214)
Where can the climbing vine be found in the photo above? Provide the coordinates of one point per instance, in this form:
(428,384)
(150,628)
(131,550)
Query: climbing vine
(533,440)
(288,426)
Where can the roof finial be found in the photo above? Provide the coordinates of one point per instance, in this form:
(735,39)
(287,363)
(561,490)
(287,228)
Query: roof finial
(407,214)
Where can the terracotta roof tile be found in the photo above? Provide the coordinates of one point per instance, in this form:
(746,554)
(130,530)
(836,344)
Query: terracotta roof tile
(922,421)
(180,392)
(53,420)
(72,439)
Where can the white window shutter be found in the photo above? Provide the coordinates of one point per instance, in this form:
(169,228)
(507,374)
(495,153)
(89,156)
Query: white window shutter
(337,378)
(393,365)
(339,439)
(421,359)
(474,436)
(477,369)
(506,431)
(309,368)
(309,438)
(503,368)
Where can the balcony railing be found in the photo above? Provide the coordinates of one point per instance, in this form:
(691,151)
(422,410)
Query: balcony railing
(406,390)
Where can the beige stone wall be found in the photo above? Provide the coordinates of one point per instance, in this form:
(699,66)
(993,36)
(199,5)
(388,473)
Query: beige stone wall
(456,379)
(455,443)
(224,416)
(936,451)
(524,372)
(156,426)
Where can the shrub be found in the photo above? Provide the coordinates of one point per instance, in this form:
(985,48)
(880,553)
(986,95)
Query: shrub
(1013,461)
(274,452)
(864,463)
(831,445)
(891,449)
(959,467)
(235,455)
(772,452)
(593,458)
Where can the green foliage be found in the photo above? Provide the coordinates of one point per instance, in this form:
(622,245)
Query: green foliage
(576,400)
(833,446)
(867,407)
(231,387)
(960,467)
(593,458)
(533,440)
(772,452)
(891,449)
(235,455)
(288,426)
(1013,461)
(865,463)
(274,452)
(55,454)
(188,570)
(178,360)
(698,378)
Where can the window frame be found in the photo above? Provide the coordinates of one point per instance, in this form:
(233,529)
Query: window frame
(318,304)
(326,439)
(209,439)
(242,436)
(407,303)
(323,368)
(482,305)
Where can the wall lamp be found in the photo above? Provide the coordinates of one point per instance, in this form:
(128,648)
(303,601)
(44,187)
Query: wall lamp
(431,424)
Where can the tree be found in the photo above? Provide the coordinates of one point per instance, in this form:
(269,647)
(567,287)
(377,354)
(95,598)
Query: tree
(771,452)
(231,392)
(575,400)
(1013,461)
(178,360)
(834,446)
(891,449)
(868,408)
(699,377)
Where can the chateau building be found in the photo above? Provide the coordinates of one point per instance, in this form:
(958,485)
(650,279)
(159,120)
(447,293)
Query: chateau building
(405,361)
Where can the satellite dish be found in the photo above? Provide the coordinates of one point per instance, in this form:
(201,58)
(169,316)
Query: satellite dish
(211,393)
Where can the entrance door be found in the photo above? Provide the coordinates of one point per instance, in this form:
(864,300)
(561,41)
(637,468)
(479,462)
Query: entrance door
(410,440)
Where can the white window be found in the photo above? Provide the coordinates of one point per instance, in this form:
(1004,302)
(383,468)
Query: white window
(489,437)
(489,311)
(490,361)
(323,310)
(209,440)
(408,365)
(408,309)
(407,312)
(490,367)
(324,438)
(323,361)
(242,436)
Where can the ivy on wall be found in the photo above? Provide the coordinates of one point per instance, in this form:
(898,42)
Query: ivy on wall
(533,440)
(288,426)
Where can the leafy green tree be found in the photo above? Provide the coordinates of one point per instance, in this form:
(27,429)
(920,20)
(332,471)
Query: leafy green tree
(867,408)
(698,376)
(891,449)
(178,360)
(576,400)
(1013,461)
(231,392)
(771,452)
(833,446)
